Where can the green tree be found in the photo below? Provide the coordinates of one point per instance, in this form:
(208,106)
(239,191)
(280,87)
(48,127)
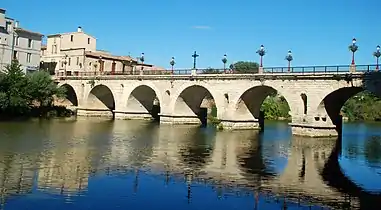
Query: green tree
(13,90)
(42,88)
(210,70)
(245,67)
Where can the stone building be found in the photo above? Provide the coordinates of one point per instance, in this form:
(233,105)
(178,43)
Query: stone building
(75,53)
(18,43)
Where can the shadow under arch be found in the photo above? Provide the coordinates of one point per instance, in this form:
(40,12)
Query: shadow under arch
(333,102)
(143,99)
(101,97)
(194,102)
(70,95)
(250,102)
(334,177)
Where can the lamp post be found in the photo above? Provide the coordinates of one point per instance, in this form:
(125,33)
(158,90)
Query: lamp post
(224,60)
(142,60)
(261,52)
(353,48)
(172,63)
(289,58)
(377,54)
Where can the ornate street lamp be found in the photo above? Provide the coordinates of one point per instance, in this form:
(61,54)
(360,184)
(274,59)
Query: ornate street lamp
(142,60)
(353,48)
(261,52)
(289,58)
(172,63)
(377,54)
(224,60)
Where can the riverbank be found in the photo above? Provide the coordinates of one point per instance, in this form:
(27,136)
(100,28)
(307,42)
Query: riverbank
(39,112)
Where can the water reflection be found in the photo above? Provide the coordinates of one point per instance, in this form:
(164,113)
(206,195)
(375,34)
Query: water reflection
(78,160)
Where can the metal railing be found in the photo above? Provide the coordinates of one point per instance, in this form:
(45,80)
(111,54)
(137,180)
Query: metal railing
(266,70)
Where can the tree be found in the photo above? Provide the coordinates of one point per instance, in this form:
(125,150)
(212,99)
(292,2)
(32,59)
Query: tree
(13,90)
(245,67)
(18,92)
(210,70)
(41,88)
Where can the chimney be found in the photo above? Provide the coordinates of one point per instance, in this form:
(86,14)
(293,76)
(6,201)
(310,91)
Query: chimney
(2,17)
(79,29)
(17,24)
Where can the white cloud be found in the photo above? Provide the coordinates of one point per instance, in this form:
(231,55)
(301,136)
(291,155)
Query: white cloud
(202,27)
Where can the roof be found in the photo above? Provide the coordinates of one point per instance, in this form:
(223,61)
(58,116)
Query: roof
(29,32)
(2,10)
(68,33)
(108,56)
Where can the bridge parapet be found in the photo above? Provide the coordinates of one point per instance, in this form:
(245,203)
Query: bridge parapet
(303,70)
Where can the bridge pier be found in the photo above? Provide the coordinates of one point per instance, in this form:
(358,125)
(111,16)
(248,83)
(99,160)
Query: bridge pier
(122,115)
(104,113)
(179,120)
(240,125)
(313,130)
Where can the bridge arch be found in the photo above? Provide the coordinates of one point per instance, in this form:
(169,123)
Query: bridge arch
(144,99)
(248,104)
(71,98)
(101,98)
(333,102)
(191,99)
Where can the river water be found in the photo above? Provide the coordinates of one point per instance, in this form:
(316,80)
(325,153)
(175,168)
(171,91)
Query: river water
(100,164)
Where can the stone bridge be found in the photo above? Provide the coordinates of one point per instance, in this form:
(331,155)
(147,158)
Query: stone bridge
(315,99)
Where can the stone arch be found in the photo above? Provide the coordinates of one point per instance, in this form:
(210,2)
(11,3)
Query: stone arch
(191,98)
(101,98)
(248,105)
(334,101)
(144,99)
(71,98)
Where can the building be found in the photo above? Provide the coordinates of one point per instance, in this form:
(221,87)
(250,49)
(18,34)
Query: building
(18,43)
(75,53)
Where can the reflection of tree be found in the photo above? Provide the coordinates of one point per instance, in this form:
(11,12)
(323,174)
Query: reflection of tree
(197,148)
(373,149)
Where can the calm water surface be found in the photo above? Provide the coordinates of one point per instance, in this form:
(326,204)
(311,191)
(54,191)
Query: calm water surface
(98,164)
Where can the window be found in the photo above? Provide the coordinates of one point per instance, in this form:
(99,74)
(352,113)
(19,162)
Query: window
(88,40)
(28,57)
(62,63)
(30,43)
(15,55)
(17,41)
(54,49)
(77,61)
(69,62)
(72,38)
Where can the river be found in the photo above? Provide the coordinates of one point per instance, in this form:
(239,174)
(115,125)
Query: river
(101,164)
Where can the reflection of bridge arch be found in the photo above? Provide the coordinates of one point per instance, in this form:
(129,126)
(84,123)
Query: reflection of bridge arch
(334,177)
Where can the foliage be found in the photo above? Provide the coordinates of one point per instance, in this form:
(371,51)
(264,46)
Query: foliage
(42,88)
(364,106)
(245,67)
(211,71)
(275,107)
(20,93)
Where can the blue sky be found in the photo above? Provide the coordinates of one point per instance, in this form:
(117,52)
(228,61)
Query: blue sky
(317,31)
